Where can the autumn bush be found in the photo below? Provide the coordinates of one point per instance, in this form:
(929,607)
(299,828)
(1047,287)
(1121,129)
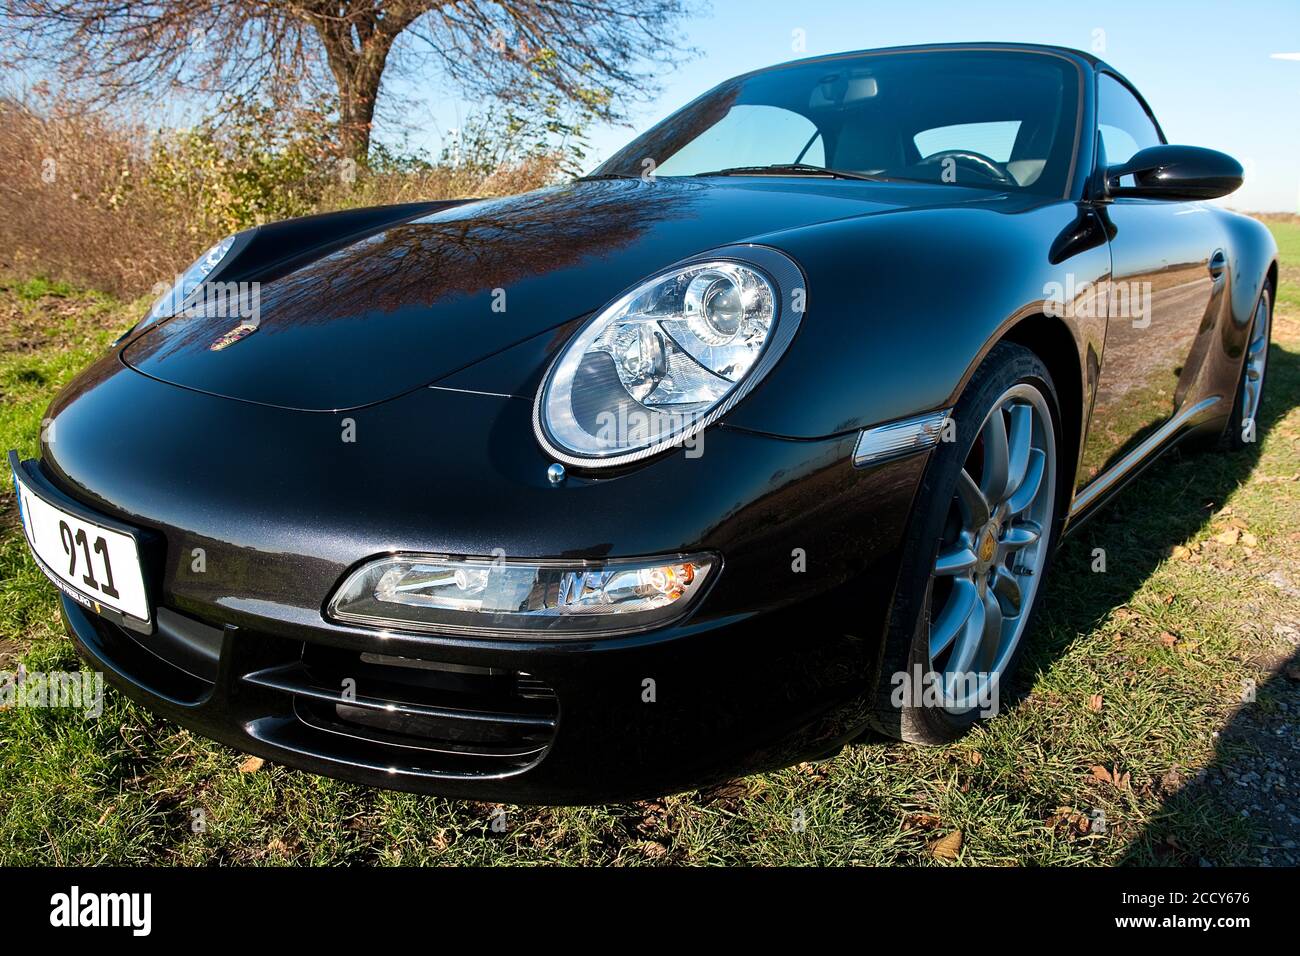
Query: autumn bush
(66,206)
(112,205)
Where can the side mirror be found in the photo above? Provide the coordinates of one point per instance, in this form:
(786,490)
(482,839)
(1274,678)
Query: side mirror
(1176,172)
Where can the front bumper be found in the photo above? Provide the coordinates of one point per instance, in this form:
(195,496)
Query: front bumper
(755,696)
(771,668)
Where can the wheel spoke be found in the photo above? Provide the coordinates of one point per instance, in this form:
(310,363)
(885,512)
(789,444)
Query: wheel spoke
(972,500)
(952,619)
(1021,535)
(994,480)
(968,641)
(1007,590)
(1248,399)
(1019,445)
(957,558)
(991,638)
(1028,490)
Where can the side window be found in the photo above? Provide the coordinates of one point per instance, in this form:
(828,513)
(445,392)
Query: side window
(1125,126)
(750,135)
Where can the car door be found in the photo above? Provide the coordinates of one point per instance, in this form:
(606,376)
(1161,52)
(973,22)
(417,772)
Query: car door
(1167,261)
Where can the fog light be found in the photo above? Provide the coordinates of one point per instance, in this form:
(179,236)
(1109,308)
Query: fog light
(541,598)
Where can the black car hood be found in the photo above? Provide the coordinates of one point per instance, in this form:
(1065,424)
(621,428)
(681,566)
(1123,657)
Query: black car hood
(414,303)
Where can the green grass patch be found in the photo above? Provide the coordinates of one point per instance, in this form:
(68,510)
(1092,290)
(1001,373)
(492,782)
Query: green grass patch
(1137,672)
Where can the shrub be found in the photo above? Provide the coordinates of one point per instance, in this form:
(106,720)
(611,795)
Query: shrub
(106,204)
(70,206)
(254,169)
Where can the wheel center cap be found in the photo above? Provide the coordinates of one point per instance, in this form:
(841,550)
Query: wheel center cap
(988,547)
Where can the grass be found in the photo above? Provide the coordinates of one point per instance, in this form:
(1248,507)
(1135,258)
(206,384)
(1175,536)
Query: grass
(1133,678)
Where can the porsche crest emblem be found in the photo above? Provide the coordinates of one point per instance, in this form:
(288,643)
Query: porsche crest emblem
(227,339)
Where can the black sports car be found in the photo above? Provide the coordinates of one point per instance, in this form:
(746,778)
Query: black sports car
(760,435)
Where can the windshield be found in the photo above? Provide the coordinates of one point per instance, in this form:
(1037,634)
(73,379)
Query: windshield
(995,119)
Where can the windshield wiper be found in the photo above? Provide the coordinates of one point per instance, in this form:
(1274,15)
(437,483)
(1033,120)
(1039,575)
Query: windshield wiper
(792,169)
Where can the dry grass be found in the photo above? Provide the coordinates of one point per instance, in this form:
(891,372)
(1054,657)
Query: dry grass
(71,206)
(1133,711)
(79,201)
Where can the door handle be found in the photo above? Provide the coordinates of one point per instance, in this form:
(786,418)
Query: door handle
(1218,263)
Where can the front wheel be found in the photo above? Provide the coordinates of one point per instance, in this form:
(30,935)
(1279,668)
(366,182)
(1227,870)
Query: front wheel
(979,545)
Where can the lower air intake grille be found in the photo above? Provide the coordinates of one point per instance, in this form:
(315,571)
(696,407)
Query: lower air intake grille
(418,716)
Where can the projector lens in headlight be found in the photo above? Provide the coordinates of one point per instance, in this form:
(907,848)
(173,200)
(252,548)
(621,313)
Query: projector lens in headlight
(545,598)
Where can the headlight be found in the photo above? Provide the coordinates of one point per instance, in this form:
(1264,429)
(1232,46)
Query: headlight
(669,357)
(549,598)
(170,302)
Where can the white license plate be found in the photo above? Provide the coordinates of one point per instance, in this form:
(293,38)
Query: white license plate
(96,565)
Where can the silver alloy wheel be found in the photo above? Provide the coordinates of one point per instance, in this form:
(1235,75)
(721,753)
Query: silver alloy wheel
(1252,382)
(994,547)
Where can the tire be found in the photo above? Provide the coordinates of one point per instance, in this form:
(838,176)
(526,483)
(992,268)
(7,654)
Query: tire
(935,586)
(1255,360)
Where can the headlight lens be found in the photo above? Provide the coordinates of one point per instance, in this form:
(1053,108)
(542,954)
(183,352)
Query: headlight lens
(170,302)
(665,359)
(552,599)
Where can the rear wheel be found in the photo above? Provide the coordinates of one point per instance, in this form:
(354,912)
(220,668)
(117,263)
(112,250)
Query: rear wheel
(1243,423)
(979,545)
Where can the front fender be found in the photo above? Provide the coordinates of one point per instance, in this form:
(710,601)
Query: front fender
(902,307)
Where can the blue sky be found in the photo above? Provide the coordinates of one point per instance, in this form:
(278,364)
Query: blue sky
(1206,67)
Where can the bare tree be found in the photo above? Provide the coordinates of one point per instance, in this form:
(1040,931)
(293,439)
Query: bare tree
(596,54)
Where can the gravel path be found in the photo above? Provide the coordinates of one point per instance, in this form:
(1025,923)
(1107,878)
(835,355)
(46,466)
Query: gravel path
(1256,774)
